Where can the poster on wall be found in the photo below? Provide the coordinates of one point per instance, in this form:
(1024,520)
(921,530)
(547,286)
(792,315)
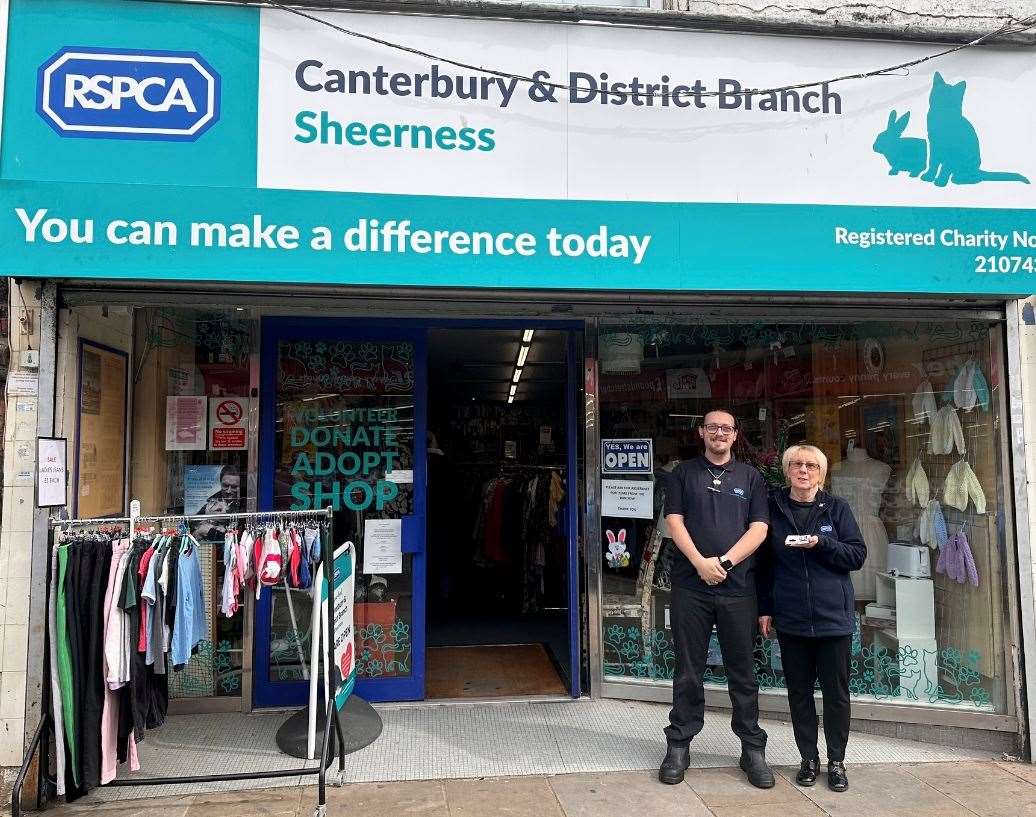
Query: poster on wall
(101,434)
(228,423)
(211,489)
(185,423)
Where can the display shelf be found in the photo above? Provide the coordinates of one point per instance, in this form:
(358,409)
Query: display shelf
(912,631)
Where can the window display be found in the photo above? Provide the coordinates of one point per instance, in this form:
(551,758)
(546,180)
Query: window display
(908,414)
(190,411)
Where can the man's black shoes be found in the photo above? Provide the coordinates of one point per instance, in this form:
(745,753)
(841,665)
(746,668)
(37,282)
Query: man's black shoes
(837,780)
(677,759)
(807,775)
(753,764)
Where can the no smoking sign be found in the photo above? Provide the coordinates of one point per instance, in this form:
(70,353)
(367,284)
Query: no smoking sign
(228,423)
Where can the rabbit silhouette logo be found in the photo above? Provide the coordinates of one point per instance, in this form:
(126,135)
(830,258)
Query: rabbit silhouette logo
(950,154)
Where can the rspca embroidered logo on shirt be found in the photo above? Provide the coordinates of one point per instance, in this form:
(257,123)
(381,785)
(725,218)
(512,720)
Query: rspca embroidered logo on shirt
(825,528)
(739,491)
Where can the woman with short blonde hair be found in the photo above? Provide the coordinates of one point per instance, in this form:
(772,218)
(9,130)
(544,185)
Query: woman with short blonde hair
(806,596)
(791,452)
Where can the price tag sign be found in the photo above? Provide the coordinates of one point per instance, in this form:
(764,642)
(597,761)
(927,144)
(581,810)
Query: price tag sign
(51,472)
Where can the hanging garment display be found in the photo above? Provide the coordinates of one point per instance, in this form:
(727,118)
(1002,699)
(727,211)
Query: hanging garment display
(123,614)
(946,433)
(519,525)
(923,402)
(917,488)
(961,485)
(932,526)
(57,707)
(957,561)
(85,634)
(970,388)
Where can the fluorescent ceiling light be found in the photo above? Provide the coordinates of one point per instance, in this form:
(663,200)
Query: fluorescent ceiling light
(522,354)
(527,337)
(510,399)
(514,388)
(517,375)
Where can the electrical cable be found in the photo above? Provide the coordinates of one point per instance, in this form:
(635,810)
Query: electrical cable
(1008,28)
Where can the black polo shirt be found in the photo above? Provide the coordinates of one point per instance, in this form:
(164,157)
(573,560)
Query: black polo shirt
(716,519)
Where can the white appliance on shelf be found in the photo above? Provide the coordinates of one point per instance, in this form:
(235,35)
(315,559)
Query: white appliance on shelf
(905,559)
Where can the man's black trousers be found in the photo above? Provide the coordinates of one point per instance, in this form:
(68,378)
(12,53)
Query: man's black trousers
(692,616)
(807,660)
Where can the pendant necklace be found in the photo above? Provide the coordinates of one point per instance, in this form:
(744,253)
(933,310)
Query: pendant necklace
(715,479)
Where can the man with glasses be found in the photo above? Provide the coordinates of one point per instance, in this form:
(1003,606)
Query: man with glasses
(717,514)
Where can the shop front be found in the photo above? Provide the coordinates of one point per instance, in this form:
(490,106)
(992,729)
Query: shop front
(891,400)
(481,314)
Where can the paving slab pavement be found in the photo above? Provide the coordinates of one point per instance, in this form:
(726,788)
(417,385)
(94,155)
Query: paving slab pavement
(951,789)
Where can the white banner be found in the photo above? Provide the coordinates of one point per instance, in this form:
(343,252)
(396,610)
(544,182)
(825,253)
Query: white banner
(338,113)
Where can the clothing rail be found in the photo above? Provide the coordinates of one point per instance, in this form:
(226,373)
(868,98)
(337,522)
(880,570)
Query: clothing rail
(104,520)
(40,739)
(230,516)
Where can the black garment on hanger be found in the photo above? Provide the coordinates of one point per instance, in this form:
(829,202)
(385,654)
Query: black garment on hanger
(92,676)
(134,700)
(172,581)
(74,617)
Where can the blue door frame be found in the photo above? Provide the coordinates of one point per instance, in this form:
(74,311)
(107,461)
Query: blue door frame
(267,693)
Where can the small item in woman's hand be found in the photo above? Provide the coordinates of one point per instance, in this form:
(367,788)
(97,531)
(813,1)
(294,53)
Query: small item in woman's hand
(794,541)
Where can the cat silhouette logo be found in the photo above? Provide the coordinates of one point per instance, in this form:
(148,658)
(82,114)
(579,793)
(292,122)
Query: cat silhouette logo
(951,152)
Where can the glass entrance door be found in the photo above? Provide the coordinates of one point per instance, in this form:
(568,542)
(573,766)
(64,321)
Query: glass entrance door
(343,424)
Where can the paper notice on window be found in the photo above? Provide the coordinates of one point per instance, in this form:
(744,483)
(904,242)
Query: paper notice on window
(382,546)
(627,498)
(186,423)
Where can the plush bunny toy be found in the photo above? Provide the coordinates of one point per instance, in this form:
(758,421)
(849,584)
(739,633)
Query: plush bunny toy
(903,153)
(617,555)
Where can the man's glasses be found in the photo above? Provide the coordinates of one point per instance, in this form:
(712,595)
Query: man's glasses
(716,428)
(795,465)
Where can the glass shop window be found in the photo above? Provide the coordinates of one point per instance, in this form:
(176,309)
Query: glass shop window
(190,455)
(894,406)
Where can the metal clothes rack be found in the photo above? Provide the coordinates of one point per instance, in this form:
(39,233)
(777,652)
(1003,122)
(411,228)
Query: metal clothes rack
(40,739)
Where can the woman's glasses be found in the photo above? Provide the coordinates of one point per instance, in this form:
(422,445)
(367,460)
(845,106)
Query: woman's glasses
(795,465)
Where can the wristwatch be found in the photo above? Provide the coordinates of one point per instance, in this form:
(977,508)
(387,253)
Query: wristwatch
(726,564)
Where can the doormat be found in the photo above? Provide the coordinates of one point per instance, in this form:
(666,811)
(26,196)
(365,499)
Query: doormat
(492,671)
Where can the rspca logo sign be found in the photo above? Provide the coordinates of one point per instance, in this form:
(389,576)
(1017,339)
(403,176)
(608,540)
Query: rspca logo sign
(128,94)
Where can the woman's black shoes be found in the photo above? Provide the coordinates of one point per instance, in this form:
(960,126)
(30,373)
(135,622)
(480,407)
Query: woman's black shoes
(807,775)
(677,759)
(837,780)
